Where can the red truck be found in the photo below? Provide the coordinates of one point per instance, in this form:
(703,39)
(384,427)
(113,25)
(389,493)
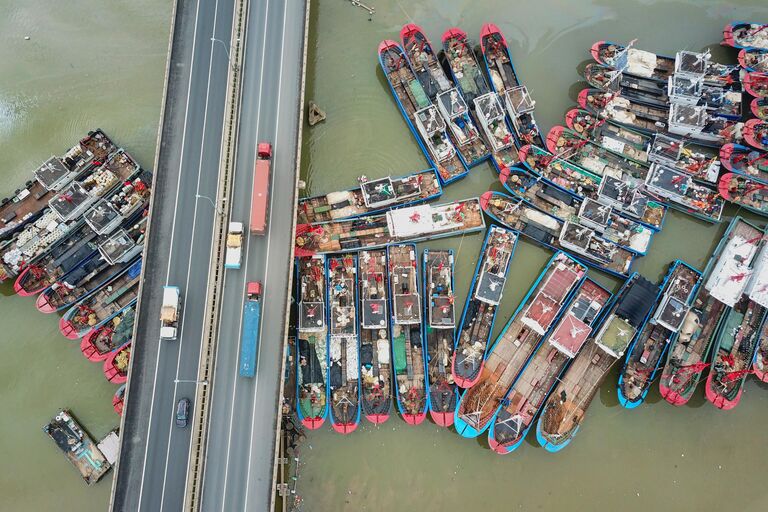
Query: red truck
(260,199)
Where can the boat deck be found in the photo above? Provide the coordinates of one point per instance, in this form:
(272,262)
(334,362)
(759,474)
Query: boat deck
(311,343)
(116,332)
(78,447)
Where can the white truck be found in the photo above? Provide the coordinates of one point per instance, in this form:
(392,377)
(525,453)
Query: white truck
(170,312)
(234,245)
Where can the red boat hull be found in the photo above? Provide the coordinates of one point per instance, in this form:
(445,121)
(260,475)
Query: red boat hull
(43,305)
(490,29)
(111,373)
(751,82)
(460,381)
(414,419)
(312,423)
(501,449)
(443,419)
(377,419)
(453,33)
(18,285)
(754,106)
(344,428)
(68,330)
(720,401)
(118,401)
(89,350)
(673,397)
(750,133)
(582,99)
(728,36)
(554,134)
(595,52)
(408,31)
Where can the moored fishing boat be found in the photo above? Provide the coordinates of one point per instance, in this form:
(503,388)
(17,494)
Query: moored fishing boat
(565,409)
(118,401)
(759,108)
(628,233)
(681,192)
(743,34)
(343,343)
(733,353)
(311,345)
(538,378)
(701,162)
(641,90)
(553,233)
(439,327)
(505,82)
(724,281)
(518,341)
(756,134)
(408,355)
(372,196)
(423,59)
(480,307)
(117,331)
(617,188)
(745,161)
(375,353)
(561,138)
(625,141)
(95,310)
(615,107)
(117,364)
(117,253)
(411,224)
(740,190)
(756,84)
(83,241)
(490,115)
(644,356)
(463,65)
(420,114)
(760,366)
(754,60)
(28,202)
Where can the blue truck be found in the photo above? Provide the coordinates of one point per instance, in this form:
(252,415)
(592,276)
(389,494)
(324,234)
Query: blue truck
(249,343)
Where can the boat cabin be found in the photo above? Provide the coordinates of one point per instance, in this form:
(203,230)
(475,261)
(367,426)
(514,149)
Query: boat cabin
(491,116)
(543,310)
(490,282)
(54,174)
(432,127)
(103,217)
(685,90)
(692,64)
(119,248)
(406,300)
(382,192)
(595,215)
(454,109)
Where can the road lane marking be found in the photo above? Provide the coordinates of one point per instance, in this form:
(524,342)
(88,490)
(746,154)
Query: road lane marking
(266,266)
(173,227)
(247,250)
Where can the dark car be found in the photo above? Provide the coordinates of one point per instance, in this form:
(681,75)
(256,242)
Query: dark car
(182,412)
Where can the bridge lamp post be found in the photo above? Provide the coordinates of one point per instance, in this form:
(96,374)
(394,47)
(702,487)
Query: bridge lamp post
(183,381)
(216,208)
(226,49)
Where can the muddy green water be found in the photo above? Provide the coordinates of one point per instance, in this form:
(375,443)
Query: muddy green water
(657,457)
(87,64)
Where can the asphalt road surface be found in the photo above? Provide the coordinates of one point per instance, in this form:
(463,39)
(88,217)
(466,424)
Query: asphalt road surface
(241,435)
(154,452)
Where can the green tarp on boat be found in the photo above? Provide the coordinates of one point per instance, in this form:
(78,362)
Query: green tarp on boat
(398,346)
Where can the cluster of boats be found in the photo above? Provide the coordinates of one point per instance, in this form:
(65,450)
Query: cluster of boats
(376,320)
(73,238)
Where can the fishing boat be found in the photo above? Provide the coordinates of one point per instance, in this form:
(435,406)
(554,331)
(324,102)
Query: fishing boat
(745,161)
(424,61)
(733,353)
(480,308)
(760,366)
(118,401)
(759,108)
(439,328)
(644,91)
(82,243)
(28,202)
(518,341)
(678,190)
(372,196)
(644,64)
(697,123)
(553,233)
(565,409)
(561,138)
(724,283)
(628,142)
(628,233)
(743,34)
(743,191)
(756,84)
(736,349)
(619,109)
(463,66)
(420,114)
(411,224)
(375,365)
(97,309)
(754,60)
(644,356)
(116,254)
(505,82)
(65,213)
(311,360)
(538,378)
(756,133)
(701,162)
(493,122)
(117,364)
(619,189)
(343,343)
(117,331)
(408,354)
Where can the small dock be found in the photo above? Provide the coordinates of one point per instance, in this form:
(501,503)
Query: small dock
(77,446)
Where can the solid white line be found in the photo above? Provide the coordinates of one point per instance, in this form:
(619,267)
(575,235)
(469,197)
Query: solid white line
(171,428)
(247,250)
(266,266)
(175,210)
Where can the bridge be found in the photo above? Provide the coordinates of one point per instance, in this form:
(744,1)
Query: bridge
(234,77)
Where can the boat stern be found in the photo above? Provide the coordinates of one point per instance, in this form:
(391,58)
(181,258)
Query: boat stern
(408,31)
(43,305)
(489,29)
(344,428)
(582,98)
(414,419)
(595,51)
(453,33)
(67,329)
(460,381)
(553,136)
(377,419)
(442,419)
